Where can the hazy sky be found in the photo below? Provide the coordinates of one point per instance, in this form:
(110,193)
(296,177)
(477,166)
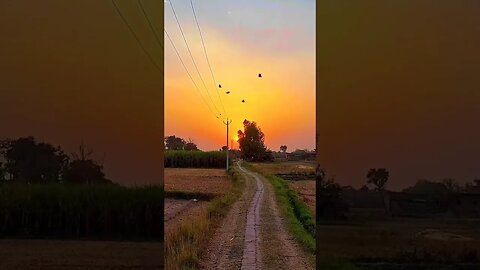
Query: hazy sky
(243,38)
(399,87)
(70,71)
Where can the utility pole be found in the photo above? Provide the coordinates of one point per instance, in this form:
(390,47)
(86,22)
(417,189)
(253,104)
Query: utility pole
(228,122)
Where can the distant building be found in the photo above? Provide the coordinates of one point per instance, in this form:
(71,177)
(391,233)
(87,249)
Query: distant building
(464,205)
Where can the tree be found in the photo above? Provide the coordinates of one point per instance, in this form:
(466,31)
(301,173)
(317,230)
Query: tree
(378,177)
(190,145)
(2,172)
(283,148)
(28,161)
(329,203)
(174,143)
(252,142)
(224,148)
(84,170)
(451,185)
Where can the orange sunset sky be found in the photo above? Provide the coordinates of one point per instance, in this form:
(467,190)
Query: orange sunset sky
(242,38)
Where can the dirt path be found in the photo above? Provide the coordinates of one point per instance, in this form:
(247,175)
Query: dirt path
(253,235)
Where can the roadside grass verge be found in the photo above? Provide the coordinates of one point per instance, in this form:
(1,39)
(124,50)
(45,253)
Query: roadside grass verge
(300,221)
(185,245)
(109,212)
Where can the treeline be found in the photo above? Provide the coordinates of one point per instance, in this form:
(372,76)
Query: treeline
(194,159)
(24,160)
(81,211)
(334,200)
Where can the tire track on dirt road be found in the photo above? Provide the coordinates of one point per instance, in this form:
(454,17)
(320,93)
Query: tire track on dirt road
(252,228)
(225,249)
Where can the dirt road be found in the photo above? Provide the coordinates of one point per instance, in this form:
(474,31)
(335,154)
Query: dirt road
(254,234)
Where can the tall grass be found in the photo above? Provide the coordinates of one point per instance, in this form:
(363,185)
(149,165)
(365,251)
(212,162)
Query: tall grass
(194,159)
(81,211)
(185,246)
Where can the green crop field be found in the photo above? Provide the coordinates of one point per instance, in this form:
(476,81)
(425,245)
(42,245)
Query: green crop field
(194,159)
(81,211)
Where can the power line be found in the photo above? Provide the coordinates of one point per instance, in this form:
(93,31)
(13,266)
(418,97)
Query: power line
(150,24)
(206,56)
(191,56)
(136,37)
(188,72)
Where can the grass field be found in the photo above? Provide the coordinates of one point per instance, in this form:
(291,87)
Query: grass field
(372,239)
(288,167)
(187,235)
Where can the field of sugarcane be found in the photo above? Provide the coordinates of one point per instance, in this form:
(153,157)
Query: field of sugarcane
(81,211)
(194,159)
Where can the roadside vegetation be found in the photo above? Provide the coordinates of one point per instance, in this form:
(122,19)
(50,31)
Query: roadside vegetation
(81,211)
(45,193)
(194,159)
(185,245)
(300,220)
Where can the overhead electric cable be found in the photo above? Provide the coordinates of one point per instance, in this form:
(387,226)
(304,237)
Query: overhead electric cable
(150,24)
(191,56)
(206,56)
(188,72)
(136,37)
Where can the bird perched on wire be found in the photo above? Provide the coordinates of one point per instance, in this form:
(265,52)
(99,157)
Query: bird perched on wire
(228,92)
(243,100)
(260,75)
(219,86)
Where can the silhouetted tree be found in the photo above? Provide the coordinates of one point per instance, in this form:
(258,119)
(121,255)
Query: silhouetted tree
(27,161)
(451,185)
(83,169)
(174,143)
(252,142)
(190,145)
(283,148)
(224,148)
(329,203)
(378,178)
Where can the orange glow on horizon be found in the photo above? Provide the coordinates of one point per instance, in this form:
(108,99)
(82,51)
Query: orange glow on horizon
(281,102)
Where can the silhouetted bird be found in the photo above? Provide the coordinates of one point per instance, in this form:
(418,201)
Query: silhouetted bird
(260,75)
(243,100)
(228,92)
(219,86)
